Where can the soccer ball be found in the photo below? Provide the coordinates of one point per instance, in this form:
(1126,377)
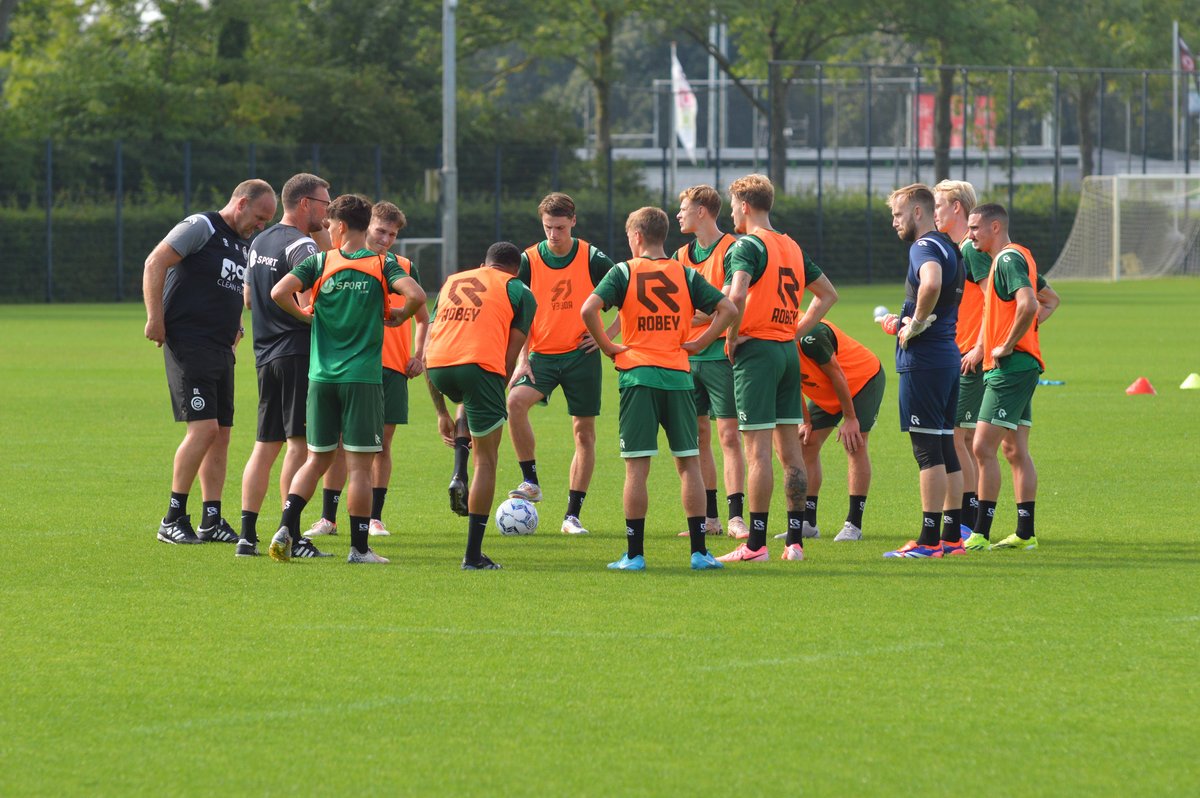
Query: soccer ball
(516,517)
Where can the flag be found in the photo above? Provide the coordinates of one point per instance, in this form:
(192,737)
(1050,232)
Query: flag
(1187,65)
(685,107)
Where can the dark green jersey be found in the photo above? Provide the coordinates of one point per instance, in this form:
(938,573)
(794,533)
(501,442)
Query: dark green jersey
(522,303)
(1012,274)
(976,263)
(347,329)
(598,262)
(749,255)
(819,345)
(613,288)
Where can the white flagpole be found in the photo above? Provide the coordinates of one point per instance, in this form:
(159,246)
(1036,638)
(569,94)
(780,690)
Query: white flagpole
(674,130)
(1175,90)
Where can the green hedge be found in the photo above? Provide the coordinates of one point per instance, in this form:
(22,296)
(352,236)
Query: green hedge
(851,242)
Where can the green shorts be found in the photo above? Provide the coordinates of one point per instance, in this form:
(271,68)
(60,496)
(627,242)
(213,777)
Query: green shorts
(712,392)
(395,397)
(579,374)
(970,397)
(1008,398)
(481,393)
(766,384)
(866,406)
(352,411)
(643,410)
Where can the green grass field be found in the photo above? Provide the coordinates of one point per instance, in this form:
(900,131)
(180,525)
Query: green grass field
(132,667)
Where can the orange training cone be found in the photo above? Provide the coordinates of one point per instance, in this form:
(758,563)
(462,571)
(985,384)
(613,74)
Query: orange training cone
(1141,385)
(1192,382)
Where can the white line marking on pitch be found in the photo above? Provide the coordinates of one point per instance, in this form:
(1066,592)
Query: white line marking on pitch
(829,655)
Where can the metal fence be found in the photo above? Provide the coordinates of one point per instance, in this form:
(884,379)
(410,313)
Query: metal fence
(77,218)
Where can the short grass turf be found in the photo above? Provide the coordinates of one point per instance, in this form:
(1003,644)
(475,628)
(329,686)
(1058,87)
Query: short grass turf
(132,667)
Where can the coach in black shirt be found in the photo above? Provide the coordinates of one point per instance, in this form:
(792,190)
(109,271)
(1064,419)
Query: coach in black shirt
(192,286)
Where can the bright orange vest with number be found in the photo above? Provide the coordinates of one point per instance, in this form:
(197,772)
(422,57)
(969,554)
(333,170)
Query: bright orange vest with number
(858,363)
(773,303)
(397,341)
(970,313)
(999,315)
(335,262)
(474,315)
(712,269)
(557,325)
(656,316)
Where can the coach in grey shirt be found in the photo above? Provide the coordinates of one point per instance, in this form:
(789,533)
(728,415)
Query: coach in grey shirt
(192,287)
(281,345)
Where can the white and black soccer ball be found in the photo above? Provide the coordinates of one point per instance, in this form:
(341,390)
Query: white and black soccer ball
(516,517)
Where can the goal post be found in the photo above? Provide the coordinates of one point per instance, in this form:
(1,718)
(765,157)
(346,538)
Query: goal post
(1133,227)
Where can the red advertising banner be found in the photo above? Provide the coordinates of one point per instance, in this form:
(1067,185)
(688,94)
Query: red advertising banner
(983,121)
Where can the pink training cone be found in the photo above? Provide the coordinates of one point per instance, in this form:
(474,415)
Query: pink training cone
(1141,385)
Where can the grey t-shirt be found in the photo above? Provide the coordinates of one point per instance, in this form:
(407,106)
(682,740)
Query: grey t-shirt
(273,253)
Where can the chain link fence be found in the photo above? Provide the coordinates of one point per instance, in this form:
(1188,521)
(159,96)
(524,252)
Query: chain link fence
(77,218)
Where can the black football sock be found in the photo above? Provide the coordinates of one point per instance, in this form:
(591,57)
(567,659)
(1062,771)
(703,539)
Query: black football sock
(710,503)
(211,514)
(635,535)
(857,505)
(359,533)
(810,510)
(1025,520)
(462,451)
(929,529)
(970,507)
(177,507)
(378,497)
(575,502)
(984,518)
(529,471)
(696,533)
(735,501)
(795,530)
(758,531)
(292,507)
(249,526)
(476,526)
(952,525)
(329,504)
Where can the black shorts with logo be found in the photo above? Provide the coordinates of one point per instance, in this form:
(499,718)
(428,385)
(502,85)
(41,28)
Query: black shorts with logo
(282,398)
(200,380)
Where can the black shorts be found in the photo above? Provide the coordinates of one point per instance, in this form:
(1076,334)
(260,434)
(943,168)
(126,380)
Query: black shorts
(282,396)
(200,380)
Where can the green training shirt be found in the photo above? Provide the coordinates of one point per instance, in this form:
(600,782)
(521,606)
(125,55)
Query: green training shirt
(704,297)
(749,255)
(347,328)
(1012,274)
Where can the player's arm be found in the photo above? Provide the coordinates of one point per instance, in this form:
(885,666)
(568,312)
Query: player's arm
(824,297)
(1048,301)
(735,291)
(414,299)
(516,345)
(1026,312)
(282,294)
(590,312)
(723,312)
(154,277)
(849,433)
(416,363)
(246,290)
(930,275)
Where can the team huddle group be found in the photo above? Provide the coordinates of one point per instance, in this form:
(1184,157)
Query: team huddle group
(714,332)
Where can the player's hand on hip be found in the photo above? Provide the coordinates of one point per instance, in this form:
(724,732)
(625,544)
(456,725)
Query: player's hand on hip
(1001,351)
(971,360)
(587,343)
(520,371)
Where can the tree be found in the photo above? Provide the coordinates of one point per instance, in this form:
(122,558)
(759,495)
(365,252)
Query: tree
(775,30)
(958,32)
